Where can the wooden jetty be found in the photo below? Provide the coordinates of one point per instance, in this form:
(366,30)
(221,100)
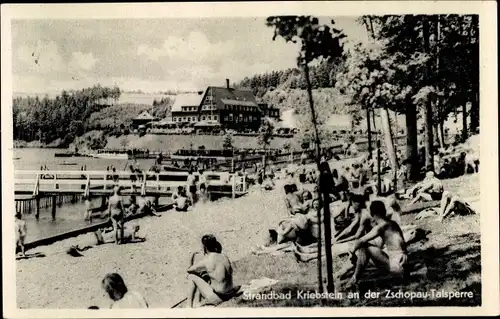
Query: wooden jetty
(50,188)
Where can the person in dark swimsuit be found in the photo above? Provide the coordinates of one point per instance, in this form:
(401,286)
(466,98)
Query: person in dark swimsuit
(116,213)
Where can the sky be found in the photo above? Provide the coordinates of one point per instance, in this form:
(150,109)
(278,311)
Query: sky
(150,54)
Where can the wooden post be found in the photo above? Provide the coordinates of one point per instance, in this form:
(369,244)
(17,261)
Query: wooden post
(143,188)
(234,186)
(54,206)
(37,207)
(105,180)
(156,202)
(379,181)
(103,201)
(158,181)
(244,182)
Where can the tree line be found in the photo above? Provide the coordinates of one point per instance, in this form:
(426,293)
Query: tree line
(323,75)
(63,117)
(421,66)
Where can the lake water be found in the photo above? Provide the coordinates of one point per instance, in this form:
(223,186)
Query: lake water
(69,216)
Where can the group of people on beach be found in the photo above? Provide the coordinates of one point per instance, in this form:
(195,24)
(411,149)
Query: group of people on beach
(365,215)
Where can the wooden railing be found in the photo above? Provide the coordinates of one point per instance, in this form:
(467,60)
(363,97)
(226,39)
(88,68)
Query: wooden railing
(86,181)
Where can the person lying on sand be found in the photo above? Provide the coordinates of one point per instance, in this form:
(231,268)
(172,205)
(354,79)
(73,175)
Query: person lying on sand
(118,292)
(452,204)
(130,235)
(431,188)
(211,277)
(21,232)
(145,206)
(392,257)
(268,184)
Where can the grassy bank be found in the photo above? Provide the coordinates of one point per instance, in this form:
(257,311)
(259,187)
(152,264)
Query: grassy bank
(450,260)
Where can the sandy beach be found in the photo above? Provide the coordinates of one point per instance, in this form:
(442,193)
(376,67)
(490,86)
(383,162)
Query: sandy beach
(156,267)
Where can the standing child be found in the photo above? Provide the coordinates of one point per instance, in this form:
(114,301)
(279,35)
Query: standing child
(88,209)
(21,231)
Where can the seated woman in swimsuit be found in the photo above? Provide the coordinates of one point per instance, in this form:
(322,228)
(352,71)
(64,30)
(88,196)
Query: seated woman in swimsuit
(211,277)
(293,201)
(116,212)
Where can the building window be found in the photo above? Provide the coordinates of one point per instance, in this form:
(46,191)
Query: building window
(215,117)
(209,117)
(231,117)
(193,118)
(203,117)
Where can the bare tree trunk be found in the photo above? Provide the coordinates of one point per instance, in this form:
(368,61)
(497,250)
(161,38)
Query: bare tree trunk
(435,134)
(369,129)
(412,143)
(441,135)
(464,122)
(429,140)
(389,143)
(318,156)
(474,114)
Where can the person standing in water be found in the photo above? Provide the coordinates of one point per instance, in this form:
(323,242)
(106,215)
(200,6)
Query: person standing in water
(116,213)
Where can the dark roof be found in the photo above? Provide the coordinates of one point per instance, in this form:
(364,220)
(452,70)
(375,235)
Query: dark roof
(223,95)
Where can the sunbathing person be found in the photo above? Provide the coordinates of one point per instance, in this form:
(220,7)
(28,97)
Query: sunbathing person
(21,232)
(431,188)
(340,185)
(176,194)
(392,257)
(144,206)
(182,202)
(268,183)
(130,235)
(312,217)
(361,222)
(452,204)
(122,298)
(212,276)
(293,201)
